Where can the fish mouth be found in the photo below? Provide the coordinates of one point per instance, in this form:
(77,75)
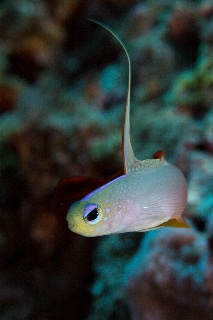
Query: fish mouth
(71,225)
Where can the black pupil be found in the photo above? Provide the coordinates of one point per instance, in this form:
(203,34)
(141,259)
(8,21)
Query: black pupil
(93,214)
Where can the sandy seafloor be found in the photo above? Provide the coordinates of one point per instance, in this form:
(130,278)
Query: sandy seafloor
(63,83)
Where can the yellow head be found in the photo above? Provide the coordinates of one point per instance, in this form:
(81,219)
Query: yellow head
(83,218)
(101,212)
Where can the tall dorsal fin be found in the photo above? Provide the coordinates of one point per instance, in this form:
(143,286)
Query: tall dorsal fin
(131,164)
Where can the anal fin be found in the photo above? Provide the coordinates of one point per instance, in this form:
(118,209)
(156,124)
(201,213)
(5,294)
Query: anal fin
(178,222)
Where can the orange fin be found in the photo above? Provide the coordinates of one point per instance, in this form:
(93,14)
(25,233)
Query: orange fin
(175,223)
(158,155)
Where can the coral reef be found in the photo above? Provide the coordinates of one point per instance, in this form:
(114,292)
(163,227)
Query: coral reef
(112,253)
(183,33)
(192,91)
(167,277)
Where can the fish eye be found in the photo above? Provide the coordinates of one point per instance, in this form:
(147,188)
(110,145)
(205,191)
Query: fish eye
(92,213)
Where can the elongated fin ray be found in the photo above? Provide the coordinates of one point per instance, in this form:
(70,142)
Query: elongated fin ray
(129,159)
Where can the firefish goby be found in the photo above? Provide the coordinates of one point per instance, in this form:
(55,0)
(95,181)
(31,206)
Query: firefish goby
(149,194)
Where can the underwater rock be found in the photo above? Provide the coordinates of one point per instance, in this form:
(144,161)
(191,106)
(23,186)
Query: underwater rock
(196,161)
(167,277)
(8,96)
(183,25)
(111,255)
(31,38)
(186,95)
(38,158)
(192,89)
(152,64)
(33,244)
(144,20)
(9,239)
(17,302)
(184,34)
(206,9)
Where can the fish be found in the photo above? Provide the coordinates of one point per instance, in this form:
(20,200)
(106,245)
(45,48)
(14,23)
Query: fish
(144,195)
